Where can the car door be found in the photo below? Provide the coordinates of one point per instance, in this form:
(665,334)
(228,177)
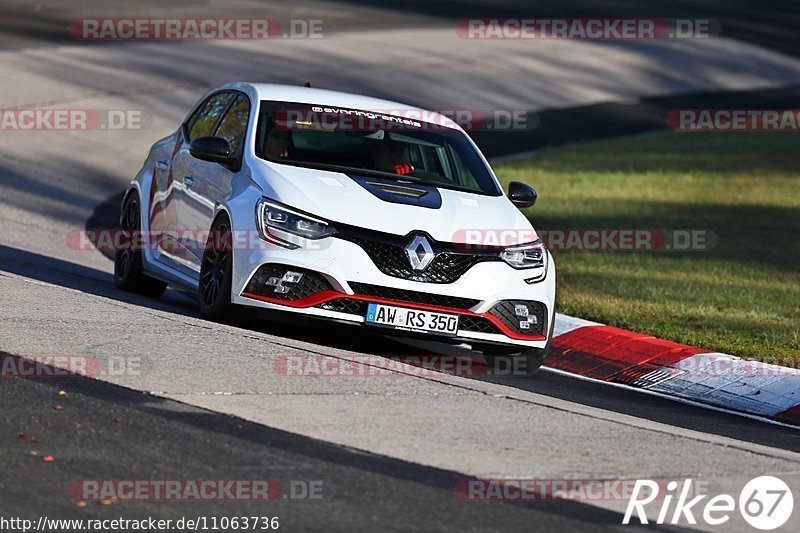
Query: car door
(212,181)
(163,219)
(185,171)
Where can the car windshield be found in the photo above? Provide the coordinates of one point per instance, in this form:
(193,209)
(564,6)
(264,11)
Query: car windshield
(368,143)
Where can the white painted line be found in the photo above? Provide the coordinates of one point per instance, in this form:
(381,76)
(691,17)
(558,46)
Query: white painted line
(566,323)
(673,398)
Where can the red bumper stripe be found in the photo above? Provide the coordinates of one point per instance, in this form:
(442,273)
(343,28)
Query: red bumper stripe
(308,301)
(325,296)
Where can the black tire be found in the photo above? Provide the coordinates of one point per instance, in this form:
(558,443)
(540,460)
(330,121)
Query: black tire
(528,362)
(129,273)
(216,275)
(535,357)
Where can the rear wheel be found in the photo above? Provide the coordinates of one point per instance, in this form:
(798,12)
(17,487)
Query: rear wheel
(216,274)
(128,269)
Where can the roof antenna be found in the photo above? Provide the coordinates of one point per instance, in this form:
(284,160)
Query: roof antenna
(307,84)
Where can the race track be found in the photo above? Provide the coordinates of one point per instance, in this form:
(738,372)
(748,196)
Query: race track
(209,400)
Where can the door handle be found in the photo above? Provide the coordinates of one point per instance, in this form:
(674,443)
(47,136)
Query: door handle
(162,165)
(188,180)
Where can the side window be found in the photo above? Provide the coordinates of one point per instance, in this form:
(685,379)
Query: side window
(462,171)
(205,121)
(234,125)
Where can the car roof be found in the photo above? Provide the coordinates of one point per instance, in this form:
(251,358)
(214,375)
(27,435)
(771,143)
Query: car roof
(324,97)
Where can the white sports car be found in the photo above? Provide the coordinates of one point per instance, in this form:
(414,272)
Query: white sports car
(341,207)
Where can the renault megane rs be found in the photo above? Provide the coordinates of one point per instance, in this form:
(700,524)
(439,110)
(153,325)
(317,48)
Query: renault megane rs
(340,207)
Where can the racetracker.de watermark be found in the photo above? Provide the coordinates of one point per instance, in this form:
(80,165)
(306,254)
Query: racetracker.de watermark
(601,29)
(549,489)
(399,366)
(713,364)
(112,240)
(734,120)
(466,240)
(72,119)
(325,118)
(590,239)
(180,490)
(175,490)
(58,366)
(177,29)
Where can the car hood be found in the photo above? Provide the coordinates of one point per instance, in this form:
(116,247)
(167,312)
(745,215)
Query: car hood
(336,197)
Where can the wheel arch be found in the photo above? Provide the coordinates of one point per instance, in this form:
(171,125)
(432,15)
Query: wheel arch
(221,211)
(133,189)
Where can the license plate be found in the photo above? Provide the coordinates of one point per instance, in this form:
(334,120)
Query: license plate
(411,319)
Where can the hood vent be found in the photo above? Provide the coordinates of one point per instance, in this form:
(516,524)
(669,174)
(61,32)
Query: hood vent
(401,191)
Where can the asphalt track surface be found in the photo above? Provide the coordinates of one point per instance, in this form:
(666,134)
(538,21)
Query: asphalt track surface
(389,451)
(108,432)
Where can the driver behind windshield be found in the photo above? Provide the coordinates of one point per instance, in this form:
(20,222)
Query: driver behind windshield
(278,143)
(391,156)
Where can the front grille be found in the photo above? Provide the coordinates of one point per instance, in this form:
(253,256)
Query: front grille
(346,305)
(416,297)
(265,283)
(477,324)
(506,311)
(389,255)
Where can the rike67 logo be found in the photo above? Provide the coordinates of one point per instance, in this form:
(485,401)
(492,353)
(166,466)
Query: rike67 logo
(766,503)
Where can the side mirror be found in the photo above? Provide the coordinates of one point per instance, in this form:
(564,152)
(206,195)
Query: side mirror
(521,195)
(214,149)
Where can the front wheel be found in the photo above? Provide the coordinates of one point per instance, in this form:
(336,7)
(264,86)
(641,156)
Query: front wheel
(216,274)
(527,362)
(509,363)
(533,359)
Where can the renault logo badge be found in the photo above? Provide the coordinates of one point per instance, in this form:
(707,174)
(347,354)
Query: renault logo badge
(420,254)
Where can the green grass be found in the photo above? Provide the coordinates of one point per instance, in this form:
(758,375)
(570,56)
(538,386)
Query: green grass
(742,296)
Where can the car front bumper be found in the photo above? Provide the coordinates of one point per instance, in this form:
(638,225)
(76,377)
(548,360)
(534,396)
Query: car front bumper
(340,279)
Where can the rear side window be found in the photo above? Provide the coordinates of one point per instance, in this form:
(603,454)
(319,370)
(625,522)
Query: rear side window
(205,121)
(234,125)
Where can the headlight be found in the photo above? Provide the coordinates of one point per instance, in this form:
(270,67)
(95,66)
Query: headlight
(286,227)
(528,256)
